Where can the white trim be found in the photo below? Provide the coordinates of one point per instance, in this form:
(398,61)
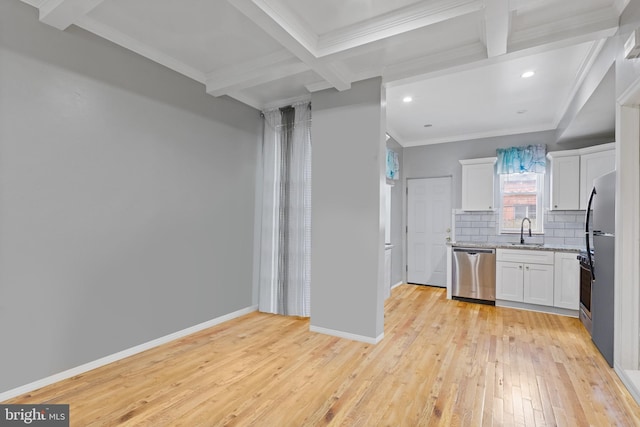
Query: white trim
(479,135)
(9,394)
(631,380)
(397,284)
(479,161)
(62,13)
(627,267)
(581,75)
(124,40)
(539,229)
(347,335)
(388,25)
(600,23)
(222,83)
(537,308)
(580,151)
(253,10)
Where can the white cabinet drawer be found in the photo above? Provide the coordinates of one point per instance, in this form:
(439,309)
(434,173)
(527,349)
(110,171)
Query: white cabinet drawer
(525,256)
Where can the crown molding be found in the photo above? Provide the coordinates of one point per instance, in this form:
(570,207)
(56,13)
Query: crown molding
(34,3)
(114,36)
(397,22)
(62,13)
(480,135)
(599,24)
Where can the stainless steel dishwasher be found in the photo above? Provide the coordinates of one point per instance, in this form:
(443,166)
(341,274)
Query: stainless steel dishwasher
(474,274)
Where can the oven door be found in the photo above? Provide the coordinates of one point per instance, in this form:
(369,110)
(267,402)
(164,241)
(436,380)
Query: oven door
(585,296)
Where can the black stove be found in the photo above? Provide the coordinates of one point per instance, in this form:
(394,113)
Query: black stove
(584,258)
(586,282)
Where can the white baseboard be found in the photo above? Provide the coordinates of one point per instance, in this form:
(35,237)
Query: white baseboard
(122,354)
(347,335)
(538,308)
(631,380)
(397,284)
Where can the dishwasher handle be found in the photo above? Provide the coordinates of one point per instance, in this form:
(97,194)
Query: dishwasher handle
(474,251)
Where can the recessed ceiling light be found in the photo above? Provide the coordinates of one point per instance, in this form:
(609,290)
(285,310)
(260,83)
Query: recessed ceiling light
(528,74)
(407,99)
(428,125)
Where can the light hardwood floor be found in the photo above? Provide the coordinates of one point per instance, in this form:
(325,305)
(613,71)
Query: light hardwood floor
(441,362)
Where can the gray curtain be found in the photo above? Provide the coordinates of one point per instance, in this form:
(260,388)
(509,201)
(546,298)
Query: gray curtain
(285,261)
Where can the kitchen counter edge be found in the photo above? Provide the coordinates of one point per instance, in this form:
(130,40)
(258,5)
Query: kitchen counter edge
(550,247)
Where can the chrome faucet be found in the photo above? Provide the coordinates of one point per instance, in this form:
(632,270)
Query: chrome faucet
(522,230)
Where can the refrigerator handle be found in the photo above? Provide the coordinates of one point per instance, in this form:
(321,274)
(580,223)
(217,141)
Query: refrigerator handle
(586,232)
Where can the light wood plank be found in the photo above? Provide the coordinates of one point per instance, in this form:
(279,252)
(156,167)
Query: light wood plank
(441,363)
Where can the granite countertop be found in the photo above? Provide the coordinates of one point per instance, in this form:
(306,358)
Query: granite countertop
(534,247)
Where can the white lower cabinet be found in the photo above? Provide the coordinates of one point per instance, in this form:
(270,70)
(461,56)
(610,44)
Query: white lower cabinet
(538,284)
(525,276)
(509,281)
(566,281)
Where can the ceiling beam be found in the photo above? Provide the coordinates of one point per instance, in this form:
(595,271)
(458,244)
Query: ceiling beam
(588,26)
(497,22)
(419,15)
(109,33)
(62,13)
(226,81)
(299,47)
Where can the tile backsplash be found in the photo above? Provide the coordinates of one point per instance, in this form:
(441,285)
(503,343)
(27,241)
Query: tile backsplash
(560,228)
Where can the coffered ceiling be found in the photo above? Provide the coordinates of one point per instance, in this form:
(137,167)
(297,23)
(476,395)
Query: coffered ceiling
(460,60)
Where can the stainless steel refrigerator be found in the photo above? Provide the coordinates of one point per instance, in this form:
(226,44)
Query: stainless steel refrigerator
(600,238)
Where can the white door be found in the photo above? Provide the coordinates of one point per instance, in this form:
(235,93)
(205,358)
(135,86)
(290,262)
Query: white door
(428,227)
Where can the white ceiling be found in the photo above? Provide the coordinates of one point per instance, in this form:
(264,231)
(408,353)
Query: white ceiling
(460,60)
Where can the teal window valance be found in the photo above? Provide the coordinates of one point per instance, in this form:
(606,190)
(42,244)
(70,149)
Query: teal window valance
(393,165)
(528,158)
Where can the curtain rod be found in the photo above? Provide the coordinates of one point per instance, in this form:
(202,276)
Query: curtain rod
(287,106)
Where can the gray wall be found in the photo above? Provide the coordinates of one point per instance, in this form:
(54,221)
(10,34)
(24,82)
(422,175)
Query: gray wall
(347,222)
(397,192)
(126,199)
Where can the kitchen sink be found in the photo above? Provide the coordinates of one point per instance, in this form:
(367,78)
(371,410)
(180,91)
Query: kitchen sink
(535,245)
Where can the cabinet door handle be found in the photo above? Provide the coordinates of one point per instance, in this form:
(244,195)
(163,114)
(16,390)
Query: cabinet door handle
(527,267)
(520,267)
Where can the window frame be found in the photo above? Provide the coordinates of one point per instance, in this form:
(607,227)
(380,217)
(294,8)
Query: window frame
(539,229)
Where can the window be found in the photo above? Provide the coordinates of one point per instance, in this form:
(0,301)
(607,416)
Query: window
(521,197)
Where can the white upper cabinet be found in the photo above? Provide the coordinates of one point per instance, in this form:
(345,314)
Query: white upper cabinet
(565,180)
(596,161)
(573,172)
(478,184)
